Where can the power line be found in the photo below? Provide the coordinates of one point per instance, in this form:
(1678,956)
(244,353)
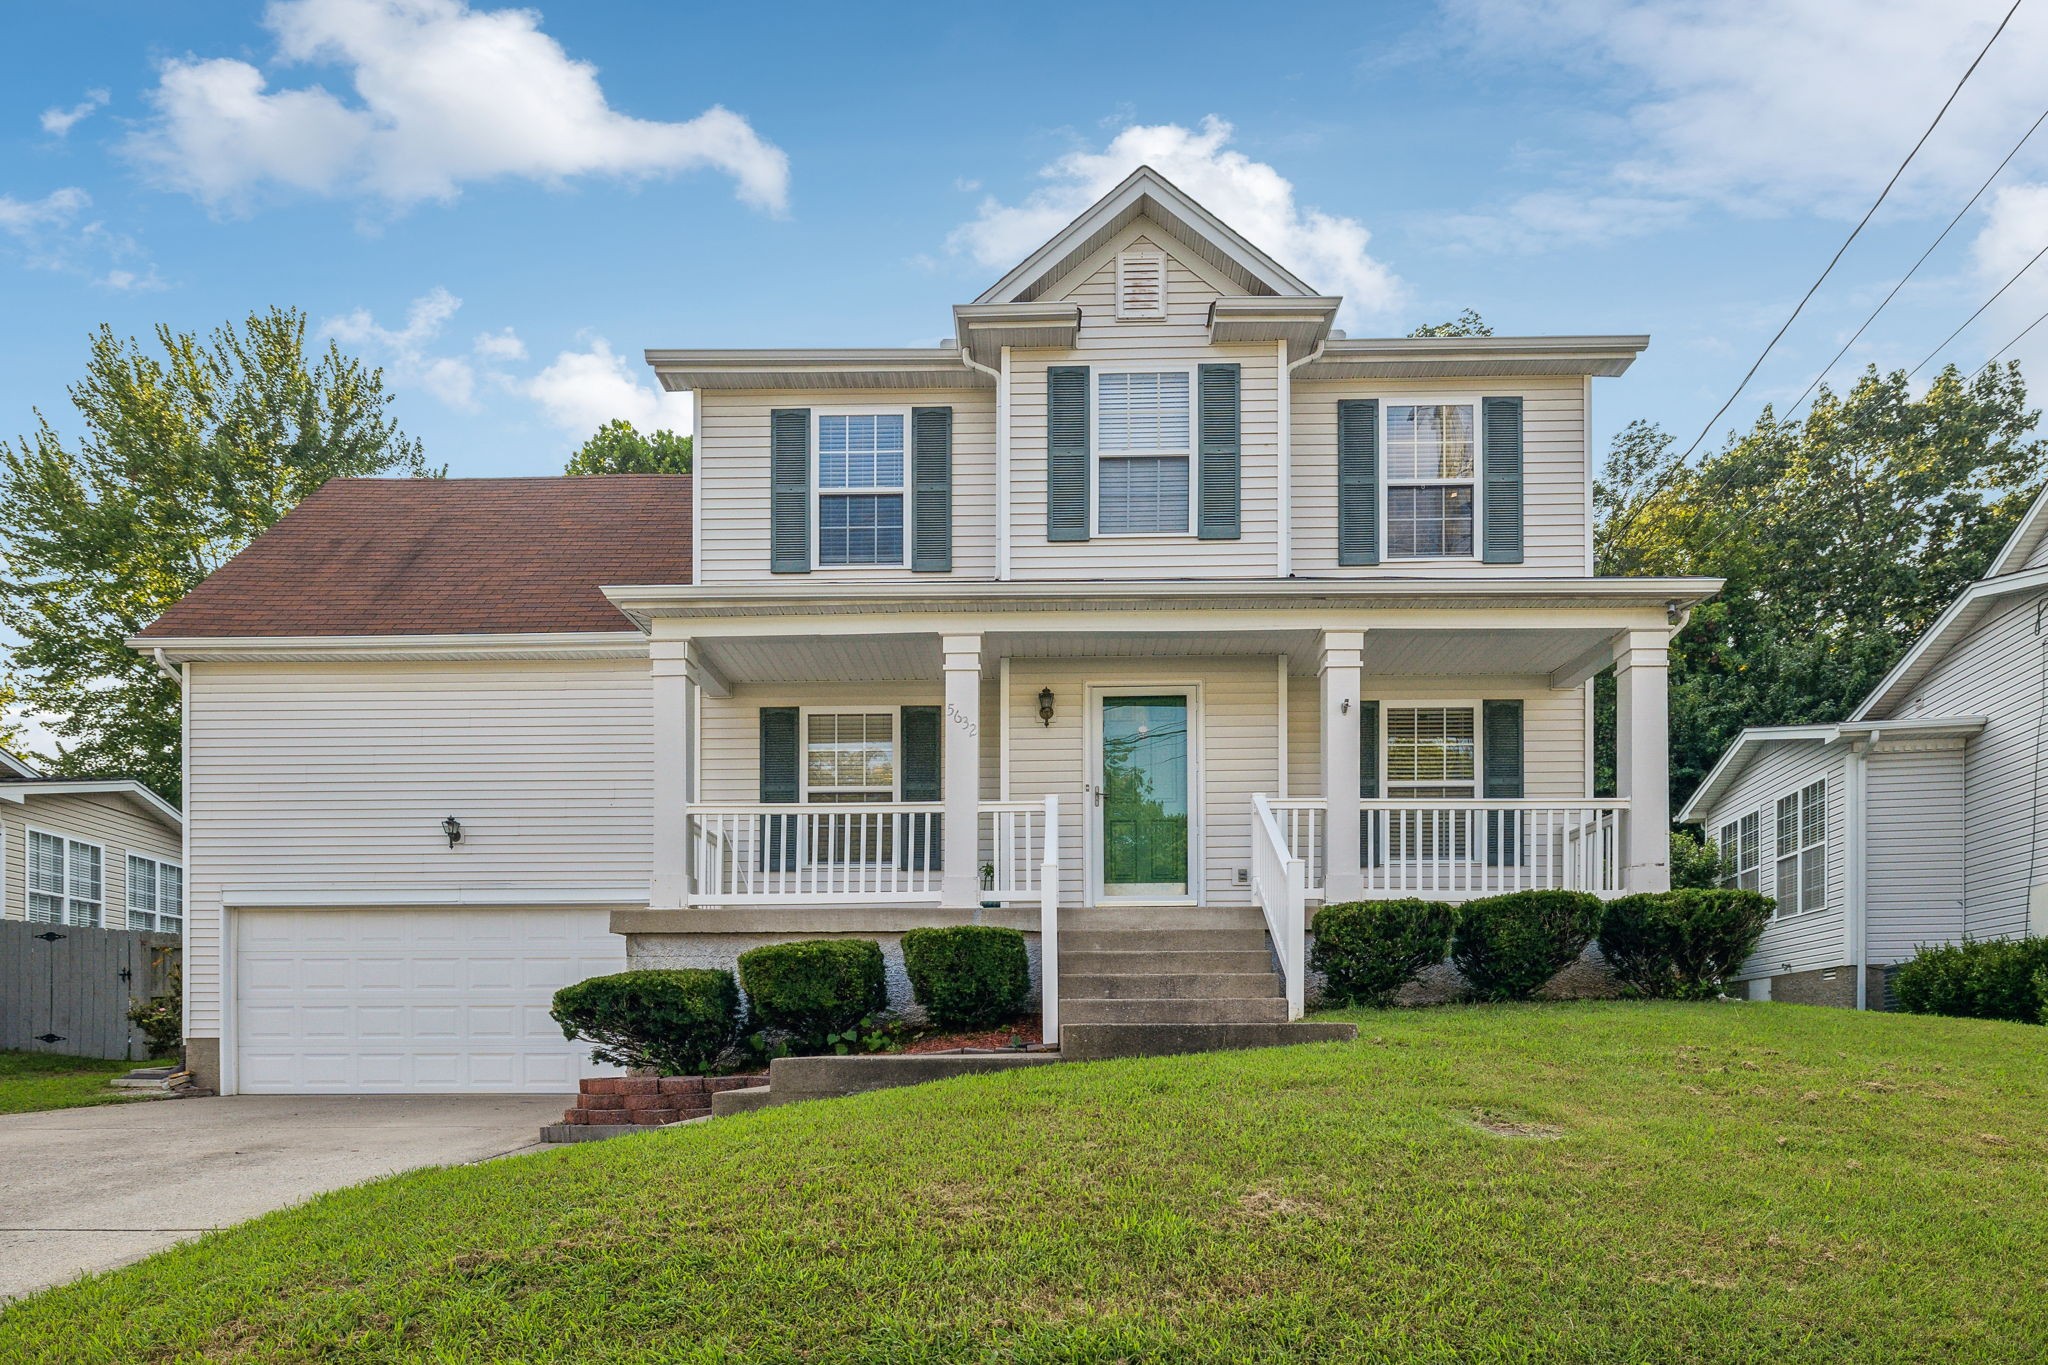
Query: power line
(1980,310)
(1903,279)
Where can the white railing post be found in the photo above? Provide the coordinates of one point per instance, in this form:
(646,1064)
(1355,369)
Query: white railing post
(1049,925)
(1280,880)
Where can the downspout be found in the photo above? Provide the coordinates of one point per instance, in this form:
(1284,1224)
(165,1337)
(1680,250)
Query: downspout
(1286,401)
(1854,845)
(1002,378)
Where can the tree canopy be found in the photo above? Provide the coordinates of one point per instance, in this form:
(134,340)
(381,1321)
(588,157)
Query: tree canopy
(186,453)
(1466,324)
(1841,535)
(619,448)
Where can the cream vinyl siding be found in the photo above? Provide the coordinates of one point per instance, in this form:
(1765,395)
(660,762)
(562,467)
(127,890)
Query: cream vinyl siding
(1553,728)
(732,480)
(112,822)
(1179,340)
(318,778)
(1914,857)
(1554,472)
(1819,938)
(731,743)
(1996,673)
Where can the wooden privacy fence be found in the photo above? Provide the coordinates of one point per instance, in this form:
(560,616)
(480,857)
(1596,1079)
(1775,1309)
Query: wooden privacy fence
(66,989)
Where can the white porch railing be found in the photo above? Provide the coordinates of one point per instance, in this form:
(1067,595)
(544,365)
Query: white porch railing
(760,853)
(1279,880)
(1461,849)
(1301,824)
(1021,840)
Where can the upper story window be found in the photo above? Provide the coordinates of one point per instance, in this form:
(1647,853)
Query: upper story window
(65,881)
(860,488)
(1802,872)
(1432,458)
(1432,752)
(156,895)
(1740,845)
(1141,284)
(1143,442)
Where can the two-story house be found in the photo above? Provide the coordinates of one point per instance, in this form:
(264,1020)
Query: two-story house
(1144,615)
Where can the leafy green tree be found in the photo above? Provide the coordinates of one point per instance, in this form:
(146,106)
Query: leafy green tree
(1466,324)
(187,452)
(1841,535)
(618,448)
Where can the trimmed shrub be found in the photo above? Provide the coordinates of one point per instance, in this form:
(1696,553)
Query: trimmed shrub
(968,975)
(1367,950)
(1509,946)
(1697,864)
(676,1021)
(1997,978)
(814,988)
(1681,944)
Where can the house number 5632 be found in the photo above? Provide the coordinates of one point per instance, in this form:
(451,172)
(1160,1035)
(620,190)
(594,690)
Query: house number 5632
(964,721)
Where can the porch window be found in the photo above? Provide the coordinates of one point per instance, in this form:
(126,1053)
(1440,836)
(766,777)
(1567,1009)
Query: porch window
(1740,844)
(1143,444)
(850,756)
(860,488)
(1802,871)
(1432,751)
(156,895)
(65,884)
(1431,493)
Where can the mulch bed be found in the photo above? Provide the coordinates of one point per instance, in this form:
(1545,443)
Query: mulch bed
(1003,1038)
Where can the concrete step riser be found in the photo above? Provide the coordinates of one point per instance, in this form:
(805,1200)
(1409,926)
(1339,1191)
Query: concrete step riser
(1176,986)
(1178,1012)
(1166,963)
(1081,1042)
(1164,940)
(1161,917)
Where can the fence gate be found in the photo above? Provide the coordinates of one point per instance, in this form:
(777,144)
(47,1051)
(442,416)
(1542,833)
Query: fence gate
(67,989)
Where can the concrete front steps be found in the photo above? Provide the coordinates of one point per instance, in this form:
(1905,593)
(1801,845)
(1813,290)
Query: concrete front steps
(1146,981)
(792,1080)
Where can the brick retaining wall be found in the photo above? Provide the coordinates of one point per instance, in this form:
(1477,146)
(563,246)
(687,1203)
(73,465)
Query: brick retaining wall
(650,1100)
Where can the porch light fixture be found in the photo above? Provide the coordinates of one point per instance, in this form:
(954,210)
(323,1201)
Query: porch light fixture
(452,827)
(1045,707)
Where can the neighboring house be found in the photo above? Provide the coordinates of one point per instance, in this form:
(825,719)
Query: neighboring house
(104,853)
(1072,622)
(1916,820)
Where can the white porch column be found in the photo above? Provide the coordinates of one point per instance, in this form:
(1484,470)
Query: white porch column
(960,881)
(1642,754)
(1342,664)
(670,662)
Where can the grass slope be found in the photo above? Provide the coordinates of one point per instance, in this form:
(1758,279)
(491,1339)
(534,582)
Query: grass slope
(31,1081)
(1728,1182)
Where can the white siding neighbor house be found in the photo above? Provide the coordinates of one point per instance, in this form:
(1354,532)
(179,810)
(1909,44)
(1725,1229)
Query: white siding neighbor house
(1915,821)
(1145,614)
(94,853)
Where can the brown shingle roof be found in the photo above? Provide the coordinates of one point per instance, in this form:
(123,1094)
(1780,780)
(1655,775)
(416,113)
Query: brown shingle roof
(446,556)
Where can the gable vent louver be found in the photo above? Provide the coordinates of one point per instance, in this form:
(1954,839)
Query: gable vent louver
(1141,284)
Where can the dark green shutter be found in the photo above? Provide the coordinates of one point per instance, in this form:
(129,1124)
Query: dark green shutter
(1221,462)
(1500,729)
(921,754)
(1066,452)
(789,491)
(1358,481)
(1368,781)
(780,749)
(1501,542)
(931,515)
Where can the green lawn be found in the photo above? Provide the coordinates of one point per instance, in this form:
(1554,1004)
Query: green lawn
(1692,1183)
(30,1081)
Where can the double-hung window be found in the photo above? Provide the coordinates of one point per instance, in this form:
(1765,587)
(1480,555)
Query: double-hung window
(1802,873)
(65,880)
(1740,845)
(1432,452)
(1432,754)
(156,895)
(1144,438)
(860,488)
(850,760)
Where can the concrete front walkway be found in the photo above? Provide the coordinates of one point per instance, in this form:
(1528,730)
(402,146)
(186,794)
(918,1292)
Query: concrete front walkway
(88,1189)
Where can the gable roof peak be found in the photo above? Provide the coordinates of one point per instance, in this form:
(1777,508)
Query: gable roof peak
(1145,193)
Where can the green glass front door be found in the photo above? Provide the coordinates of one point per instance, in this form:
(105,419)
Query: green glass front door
(1145,796)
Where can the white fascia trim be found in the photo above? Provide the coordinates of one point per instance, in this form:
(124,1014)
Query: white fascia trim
(1929,648)
(1737,755)
(585,644)
(14,765)
(403,898)
(19,792)
(2024,540)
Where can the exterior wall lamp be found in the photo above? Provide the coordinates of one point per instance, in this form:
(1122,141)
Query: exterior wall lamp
(452,827)
(1045,706)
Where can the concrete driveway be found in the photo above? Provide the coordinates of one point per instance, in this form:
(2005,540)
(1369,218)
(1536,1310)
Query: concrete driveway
(89,1189)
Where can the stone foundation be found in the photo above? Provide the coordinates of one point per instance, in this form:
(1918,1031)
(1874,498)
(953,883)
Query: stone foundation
(202,1059)
(650,1101)
(1834,986)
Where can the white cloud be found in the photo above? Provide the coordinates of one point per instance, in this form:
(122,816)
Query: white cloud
(503,344)
(58,122)
(23,219)
(405,350)
(1765,106)
(445,95)
(1328,251)
(582,390)
(132,281)
(1541,219)
(46,234)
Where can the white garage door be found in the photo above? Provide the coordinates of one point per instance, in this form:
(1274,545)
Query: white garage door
(433,1001)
